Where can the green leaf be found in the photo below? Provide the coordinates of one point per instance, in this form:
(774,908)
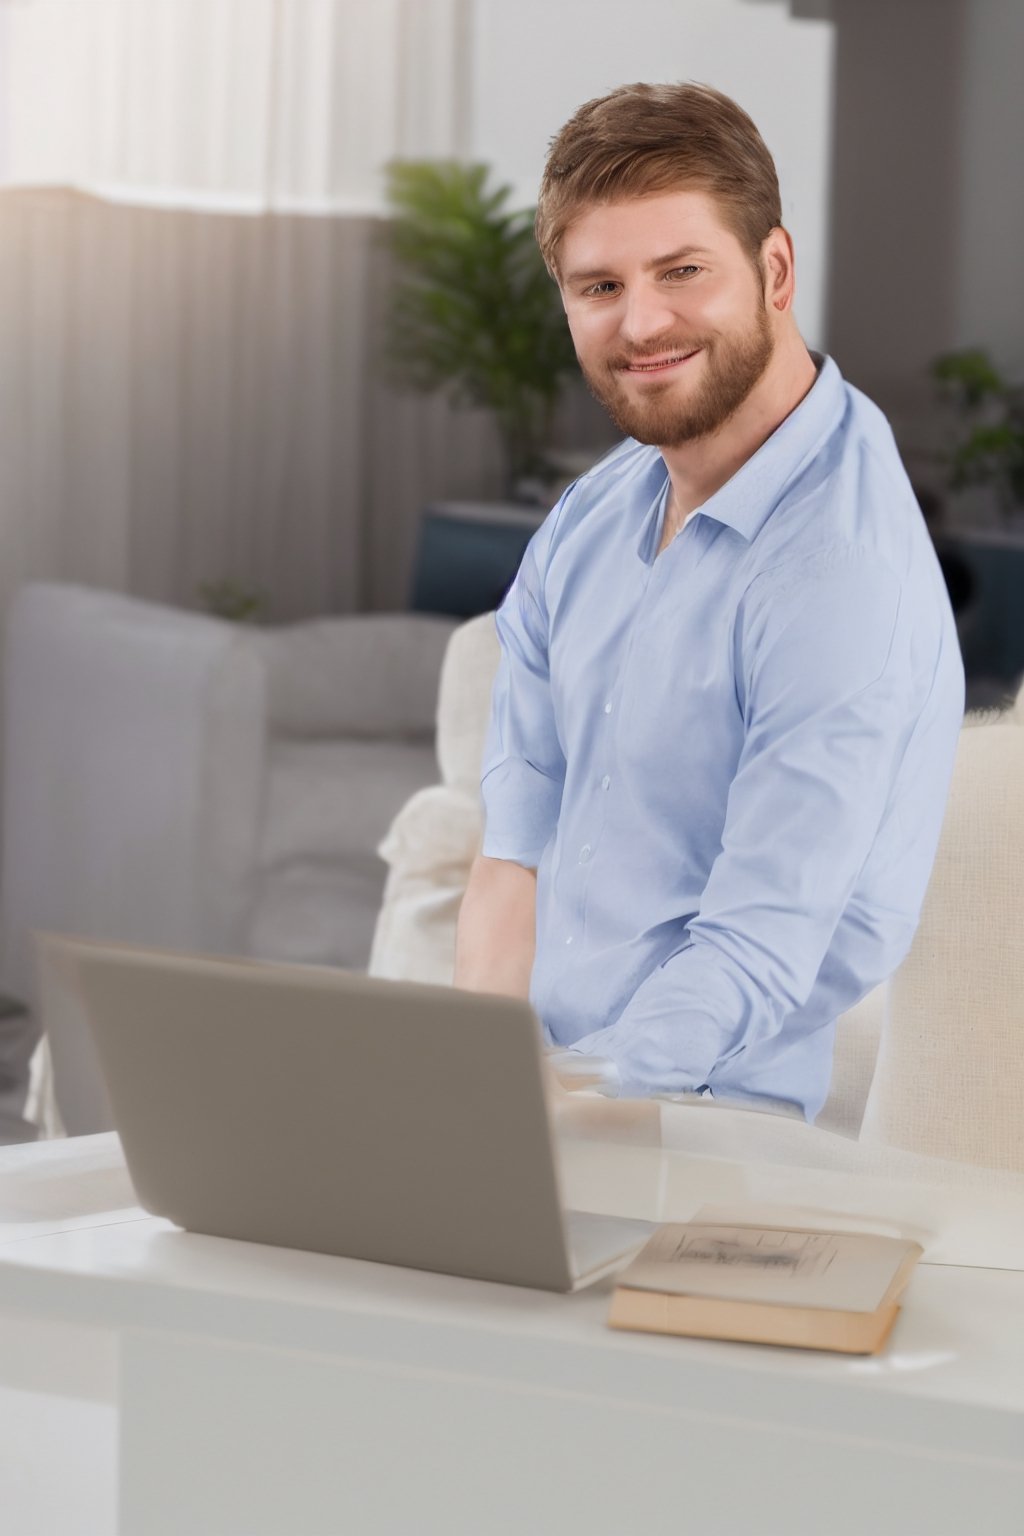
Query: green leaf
(474,310)
(991,448)
(970,373)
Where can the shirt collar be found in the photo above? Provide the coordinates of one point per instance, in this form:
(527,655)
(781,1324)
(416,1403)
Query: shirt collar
(745,502)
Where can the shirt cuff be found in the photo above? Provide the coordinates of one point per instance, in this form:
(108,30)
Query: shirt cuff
(646,1055)
(495,847)
(610,1078)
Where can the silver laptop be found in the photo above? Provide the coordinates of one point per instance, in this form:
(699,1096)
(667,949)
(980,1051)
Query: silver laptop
(327,1110)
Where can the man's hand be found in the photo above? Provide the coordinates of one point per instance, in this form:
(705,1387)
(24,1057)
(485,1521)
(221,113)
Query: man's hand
(573,1070)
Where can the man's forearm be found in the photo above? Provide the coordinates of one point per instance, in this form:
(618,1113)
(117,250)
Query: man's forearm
(496,938)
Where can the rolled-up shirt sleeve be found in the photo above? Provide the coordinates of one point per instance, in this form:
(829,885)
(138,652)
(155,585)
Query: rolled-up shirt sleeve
(826,684)
(523,765)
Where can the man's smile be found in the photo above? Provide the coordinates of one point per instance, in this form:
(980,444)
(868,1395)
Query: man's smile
(660,365)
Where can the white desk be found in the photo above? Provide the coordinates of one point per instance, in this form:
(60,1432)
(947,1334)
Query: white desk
(227,1388)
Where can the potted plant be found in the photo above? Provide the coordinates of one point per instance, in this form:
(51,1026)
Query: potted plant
(990,450)
(474,310)
(227,599)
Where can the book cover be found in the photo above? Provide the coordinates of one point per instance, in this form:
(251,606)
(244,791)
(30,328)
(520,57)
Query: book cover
(772,1285)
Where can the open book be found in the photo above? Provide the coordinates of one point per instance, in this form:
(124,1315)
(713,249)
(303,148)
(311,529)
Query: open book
(766,1285)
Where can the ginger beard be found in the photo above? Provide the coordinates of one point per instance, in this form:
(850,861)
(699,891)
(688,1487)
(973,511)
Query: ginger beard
(667,413)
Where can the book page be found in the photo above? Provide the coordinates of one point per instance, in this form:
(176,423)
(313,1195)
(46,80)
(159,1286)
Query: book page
(779,1266)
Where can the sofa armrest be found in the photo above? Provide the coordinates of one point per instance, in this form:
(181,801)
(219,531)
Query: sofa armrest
(134,743)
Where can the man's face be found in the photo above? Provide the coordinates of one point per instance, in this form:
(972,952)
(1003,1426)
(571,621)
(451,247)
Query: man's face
(667,313)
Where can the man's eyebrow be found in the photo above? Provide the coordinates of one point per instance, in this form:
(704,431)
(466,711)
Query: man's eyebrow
(682,254)
(674,256)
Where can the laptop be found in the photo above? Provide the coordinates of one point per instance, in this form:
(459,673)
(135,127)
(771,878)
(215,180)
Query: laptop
(327,1110)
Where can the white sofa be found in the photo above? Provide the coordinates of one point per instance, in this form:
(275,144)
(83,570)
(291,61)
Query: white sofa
(177,780)
(929,1066)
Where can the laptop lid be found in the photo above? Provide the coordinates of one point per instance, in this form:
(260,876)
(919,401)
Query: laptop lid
(313,1108)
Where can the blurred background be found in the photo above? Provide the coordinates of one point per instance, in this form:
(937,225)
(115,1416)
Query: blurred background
(196,404)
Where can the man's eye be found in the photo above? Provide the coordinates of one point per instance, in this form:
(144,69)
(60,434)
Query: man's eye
(601,290)
(682,272)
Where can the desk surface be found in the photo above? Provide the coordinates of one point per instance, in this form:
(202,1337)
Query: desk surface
(313,1378)
(74,1247)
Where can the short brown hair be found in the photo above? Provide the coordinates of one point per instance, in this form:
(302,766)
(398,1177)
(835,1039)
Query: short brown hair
(644,139)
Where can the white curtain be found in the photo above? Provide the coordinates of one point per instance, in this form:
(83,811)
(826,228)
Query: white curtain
(190,393)
(253,105)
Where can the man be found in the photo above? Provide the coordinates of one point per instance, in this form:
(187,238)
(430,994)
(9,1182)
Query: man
(725,716)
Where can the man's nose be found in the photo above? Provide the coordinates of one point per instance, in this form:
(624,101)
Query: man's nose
(647,314)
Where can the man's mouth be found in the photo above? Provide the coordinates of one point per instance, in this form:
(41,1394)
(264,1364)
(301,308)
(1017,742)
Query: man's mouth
(659,364)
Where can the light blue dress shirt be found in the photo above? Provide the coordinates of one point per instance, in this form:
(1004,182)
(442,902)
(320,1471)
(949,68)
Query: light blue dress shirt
(728,761)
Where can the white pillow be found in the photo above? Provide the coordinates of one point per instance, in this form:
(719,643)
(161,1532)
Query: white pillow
(429,847)
(435,837)
(464,701)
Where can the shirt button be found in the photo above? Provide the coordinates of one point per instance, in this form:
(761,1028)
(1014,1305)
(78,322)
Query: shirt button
(608,707)
(605,782)
(585,853)
(569,939)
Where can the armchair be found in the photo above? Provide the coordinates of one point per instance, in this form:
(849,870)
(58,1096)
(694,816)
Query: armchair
(177,780)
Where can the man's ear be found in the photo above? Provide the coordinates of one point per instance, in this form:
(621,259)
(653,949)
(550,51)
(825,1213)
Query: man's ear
(778,268)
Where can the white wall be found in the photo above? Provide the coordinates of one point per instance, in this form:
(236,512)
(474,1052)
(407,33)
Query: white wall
(990,302)
(927,199)
(5,132)
(535,61)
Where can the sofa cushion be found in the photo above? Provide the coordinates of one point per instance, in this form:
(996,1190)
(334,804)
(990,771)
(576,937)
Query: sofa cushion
(334,800)
(364,675)
(317,912)
(318,882)
(950,1075)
